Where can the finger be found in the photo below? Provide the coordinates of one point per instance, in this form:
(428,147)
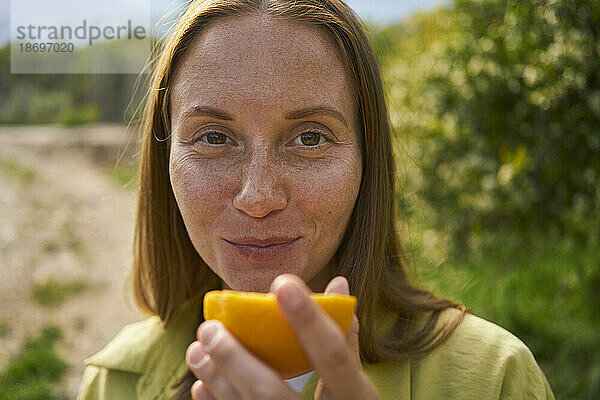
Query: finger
(250,377)
(339,284)
(321,338)
(213,381)
(365,391)
(201,392)
(353,339)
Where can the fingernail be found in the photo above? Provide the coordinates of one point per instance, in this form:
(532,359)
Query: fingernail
(209,335)
(339,284)
(197,356)
(291,296)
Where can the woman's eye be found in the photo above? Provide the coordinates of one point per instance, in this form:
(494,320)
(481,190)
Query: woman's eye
(311,138)
(214,138)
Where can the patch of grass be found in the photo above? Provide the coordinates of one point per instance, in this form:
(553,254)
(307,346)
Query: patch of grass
(71,238)
(13,169)
(52,292)
(67,238)
(50,247)
(4,329)
(36,371)
(544,291)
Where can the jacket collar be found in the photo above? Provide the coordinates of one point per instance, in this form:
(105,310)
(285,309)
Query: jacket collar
(156,354)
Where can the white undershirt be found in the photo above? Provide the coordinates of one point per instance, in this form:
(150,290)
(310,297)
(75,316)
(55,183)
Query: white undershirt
(298,383)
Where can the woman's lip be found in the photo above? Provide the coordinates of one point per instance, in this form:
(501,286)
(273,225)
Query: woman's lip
(260,253)
(253,241)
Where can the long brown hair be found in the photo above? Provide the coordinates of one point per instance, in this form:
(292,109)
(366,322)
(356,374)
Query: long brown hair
(167,270)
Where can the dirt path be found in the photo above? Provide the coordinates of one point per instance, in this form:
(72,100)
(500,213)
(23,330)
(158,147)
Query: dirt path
(64,217)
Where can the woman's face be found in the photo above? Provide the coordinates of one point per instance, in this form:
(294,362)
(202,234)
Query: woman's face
(265,159)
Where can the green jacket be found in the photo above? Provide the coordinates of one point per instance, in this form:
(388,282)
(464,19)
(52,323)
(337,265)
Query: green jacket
(479,361)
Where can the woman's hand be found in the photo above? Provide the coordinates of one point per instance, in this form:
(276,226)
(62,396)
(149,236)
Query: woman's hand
(227,371)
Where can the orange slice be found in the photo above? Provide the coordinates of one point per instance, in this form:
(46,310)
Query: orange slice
(255,320)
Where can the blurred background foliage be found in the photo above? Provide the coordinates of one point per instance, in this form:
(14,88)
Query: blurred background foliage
(36,371)
(495,107)
(505,99)
(496,112)
(67,99)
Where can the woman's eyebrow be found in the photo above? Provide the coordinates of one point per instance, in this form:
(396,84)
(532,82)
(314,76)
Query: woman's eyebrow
(206,110)
(296,114)
(305,112)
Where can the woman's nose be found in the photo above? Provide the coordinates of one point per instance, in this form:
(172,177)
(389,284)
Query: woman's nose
(261,191)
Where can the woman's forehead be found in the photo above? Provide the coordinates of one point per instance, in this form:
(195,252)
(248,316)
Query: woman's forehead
(264,61)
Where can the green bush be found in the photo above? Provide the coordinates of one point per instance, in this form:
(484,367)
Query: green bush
(67,99)
(79,115)
(36,371)
(504,97)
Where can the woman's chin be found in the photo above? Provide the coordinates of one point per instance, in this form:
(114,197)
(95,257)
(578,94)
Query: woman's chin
(250,278)
(260,284)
